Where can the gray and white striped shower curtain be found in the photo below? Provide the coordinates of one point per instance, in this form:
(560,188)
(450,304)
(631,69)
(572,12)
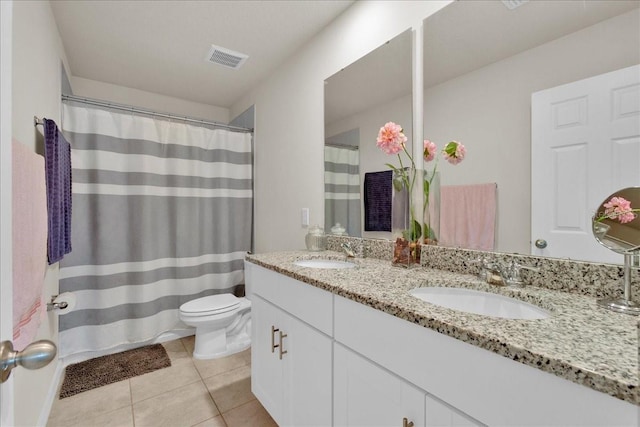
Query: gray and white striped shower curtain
(342,189)
(161,215)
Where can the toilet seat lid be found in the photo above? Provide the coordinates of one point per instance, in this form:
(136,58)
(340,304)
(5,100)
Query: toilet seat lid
(213,303)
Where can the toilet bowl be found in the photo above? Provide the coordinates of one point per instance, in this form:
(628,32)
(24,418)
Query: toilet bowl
(222,322)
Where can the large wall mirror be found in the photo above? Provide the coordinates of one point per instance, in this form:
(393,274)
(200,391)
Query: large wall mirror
(483,62)
(359,100)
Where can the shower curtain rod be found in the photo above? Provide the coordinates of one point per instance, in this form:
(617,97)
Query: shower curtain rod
(111,105)
(348,147)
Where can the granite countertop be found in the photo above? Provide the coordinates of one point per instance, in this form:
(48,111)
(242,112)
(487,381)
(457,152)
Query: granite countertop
(580,342)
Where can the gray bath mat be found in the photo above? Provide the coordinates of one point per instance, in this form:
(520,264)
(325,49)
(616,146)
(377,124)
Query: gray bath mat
(112,368)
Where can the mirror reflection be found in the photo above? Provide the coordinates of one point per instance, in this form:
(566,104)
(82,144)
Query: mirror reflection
(551,162)
(359,100)
(616,225)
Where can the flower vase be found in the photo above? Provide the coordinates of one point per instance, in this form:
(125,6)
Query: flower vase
(431,208)
(404,227)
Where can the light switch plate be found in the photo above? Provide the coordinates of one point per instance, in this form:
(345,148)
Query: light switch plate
(305,217)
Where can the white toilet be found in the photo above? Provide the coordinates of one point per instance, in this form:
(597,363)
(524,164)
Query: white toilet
(222,322)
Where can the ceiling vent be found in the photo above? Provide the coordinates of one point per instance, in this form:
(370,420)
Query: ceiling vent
(228,58)
(512,4)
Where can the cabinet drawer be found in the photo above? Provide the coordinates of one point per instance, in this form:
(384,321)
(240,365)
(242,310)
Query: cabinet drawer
(312,305)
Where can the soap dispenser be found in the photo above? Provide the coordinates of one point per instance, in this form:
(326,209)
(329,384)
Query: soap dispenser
(315,239)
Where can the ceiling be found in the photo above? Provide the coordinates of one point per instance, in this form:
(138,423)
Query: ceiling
(160,46)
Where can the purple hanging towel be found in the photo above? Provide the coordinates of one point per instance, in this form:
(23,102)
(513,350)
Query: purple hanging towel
(57,161)
(377,201)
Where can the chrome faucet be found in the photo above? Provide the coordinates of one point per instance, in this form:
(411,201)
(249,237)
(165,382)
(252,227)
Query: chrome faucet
(504,274)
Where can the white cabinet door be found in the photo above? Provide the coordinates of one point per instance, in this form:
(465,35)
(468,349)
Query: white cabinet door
(440,415)
(307,365)
(365,394)
(290,367)
(266,367)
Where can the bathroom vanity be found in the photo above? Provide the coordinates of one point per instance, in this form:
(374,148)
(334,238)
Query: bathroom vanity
(352,346)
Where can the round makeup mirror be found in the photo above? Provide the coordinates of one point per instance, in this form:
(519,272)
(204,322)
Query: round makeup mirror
(616,226)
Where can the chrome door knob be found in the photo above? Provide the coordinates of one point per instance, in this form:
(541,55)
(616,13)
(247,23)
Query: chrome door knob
(35,356)
(541,243)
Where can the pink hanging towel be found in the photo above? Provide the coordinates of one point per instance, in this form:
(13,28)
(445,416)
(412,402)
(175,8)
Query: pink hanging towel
(29,202)
(468,216)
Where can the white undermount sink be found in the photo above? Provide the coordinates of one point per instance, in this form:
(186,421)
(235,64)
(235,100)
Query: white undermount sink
(478,302)
(324,263)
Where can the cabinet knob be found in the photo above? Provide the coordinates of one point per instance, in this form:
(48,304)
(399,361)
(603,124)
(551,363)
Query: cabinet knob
(407,423)
(273,339)
(282,352)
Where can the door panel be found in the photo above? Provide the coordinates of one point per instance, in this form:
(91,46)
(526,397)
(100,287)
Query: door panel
(585,144)
(6,285)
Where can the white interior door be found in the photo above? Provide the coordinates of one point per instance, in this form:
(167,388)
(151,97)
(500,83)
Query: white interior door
(585,144)
(6,285)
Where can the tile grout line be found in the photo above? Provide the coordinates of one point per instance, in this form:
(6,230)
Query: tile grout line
(133,415)
(202,382)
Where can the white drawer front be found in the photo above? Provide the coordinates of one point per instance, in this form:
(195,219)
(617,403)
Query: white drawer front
(310,304)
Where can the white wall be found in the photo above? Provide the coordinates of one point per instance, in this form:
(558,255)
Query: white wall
(37,57)
(289,112)
(149,100)
(489,110)
(372,159)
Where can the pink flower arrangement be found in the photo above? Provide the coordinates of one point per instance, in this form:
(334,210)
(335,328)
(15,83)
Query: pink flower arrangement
(430,150)
(391,139)
(453,152)
(618,208)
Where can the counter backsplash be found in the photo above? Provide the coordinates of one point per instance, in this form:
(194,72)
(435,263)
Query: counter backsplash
(592,279)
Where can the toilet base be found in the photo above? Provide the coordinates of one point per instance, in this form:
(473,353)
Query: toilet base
(212,344)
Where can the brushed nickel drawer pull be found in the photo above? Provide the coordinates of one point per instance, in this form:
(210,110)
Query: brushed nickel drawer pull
(281,351)
(407,423)
(273,339)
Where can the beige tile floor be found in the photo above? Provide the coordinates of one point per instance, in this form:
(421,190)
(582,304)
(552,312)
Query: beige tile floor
(202,393)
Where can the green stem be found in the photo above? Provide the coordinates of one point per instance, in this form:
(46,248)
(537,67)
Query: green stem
(426,194)
(615,215)
(409,186)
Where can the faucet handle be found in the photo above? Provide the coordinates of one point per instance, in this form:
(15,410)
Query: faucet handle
(513,276)
(485,267)
(516,265)
(348,249)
